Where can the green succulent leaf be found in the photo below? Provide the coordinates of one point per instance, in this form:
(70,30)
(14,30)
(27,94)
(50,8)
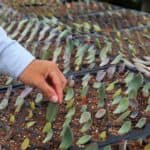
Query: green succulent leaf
(122,106)
(111,86)
(47,127)
(123,116)
(105,50)
(56,53)
(129,77)
(92,146)
(85,80)
(91,55)
(146,89)
(86,26)
(101,96)
(108,147)
(117,93)
(63,34)
(9,81)
(117,59)
(141,122)
(67,139)
(66,124)
(70,113)
(19,103)
(46,53)
(69,94)
(39,98)
(83,140)
(51,112)
(48,136)
(84,90)
(116,100)
(86,126)
(20,25)
(125,128)
(85,117)
(80,54)
(148,108)
(96,85)
(3,104)
(134,85)
(149,100)
(84,108)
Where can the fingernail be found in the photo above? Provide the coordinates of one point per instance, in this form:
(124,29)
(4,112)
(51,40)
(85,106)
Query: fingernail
(54,99)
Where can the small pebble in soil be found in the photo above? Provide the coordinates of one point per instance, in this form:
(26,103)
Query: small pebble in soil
(100,113)
(134,114)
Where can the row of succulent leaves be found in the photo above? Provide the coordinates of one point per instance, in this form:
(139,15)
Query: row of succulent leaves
(46,1)
(80,51)
(54,20)
(86,27)
(83,24)
(59,33)
(80,7)
(66,129)
(69,47)
(122,100)
(133,83)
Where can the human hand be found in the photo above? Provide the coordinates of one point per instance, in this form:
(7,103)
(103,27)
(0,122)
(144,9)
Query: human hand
(46,76)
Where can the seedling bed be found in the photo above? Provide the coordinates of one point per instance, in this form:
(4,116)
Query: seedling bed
(112,101)
(63,9)
(9,14)
(18,130)
(58,49)
(106,21)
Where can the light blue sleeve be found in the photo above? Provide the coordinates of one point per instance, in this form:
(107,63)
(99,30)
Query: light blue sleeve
(13,57)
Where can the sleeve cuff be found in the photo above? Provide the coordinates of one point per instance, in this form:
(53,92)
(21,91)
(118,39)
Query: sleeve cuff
(14,59)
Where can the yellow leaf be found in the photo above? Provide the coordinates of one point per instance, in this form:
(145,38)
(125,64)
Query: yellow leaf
(32,105)
(49,14)
(117,93)
(103,135)
(30,124)
(30,115)
(70,104)
(147,147)
(12,118)
(47,127)
(59,28)
(25,144)
(118,34)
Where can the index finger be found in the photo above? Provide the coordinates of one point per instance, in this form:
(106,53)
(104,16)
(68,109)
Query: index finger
(57,84)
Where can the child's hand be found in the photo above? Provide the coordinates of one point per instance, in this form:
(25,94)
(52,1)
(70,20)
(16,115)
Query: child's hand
(46,76)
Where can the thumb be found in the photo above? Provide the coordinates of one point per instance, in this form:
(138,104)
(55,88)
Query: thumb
(48,91)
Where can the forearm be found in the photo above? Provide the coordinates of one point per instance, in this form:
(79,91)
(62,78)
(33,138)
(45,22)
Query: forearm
(16,61)
(13,57)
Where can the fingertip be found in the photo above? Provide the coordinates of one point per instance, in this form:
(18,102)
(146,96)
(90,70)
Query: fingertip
(60,102)
(60,97)
(49,92)
(54,99)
